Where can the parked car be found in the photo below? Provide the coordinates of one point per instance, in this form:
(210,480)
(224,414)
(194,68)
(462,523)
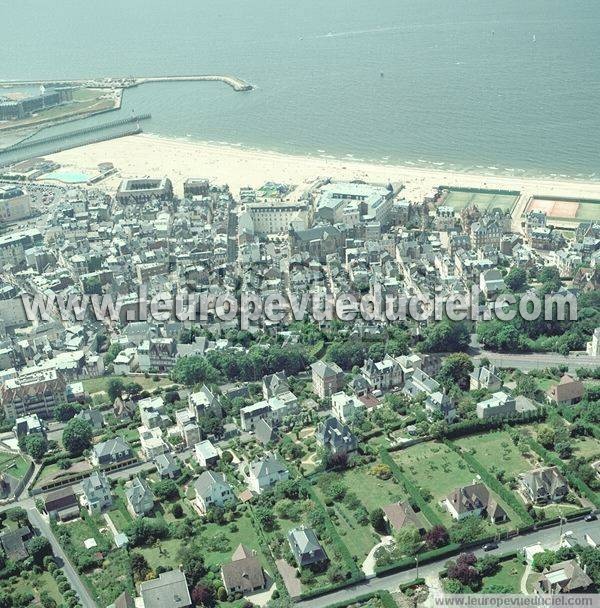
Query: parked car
(490,546)
(591,517)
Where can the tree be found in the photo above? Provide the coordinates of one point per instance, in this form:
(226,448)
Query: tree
(177,510)
(265,518)
(464,570)
(65,411)
(77,436)
(35,445)
(202,595)
(192,559)
(455,370)
(347,354)
(527,386)
(139,566)
(516,279)
(488,565)
(377,520)
(437,537)
(18,515)
(446,336)
(115,388)
(564,449)
(194,370)
(112,353)
(546,436)
(166,489)
(408,540)
(39,547)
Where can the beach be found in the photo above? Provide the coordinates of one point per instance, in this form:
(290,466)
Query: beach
(179,159)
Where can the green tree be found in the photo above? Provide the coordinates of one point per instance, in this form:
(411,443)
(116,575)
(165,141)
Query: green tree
(35,445)
(527,386)
(39,547)
(455,370)
(516,279)
(446,336)
(408,540)
(77,436)
(65,411)
(112,353)
(377,520)
(115,388)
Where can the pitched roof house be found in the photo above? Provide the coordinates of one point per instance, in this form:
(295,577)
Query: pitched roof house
(336,437)
(62,504)
(112,451)
(543,485)
(306,548)
(566,392)
(169,589)
(564,577)
(266,472)
(485,377)
(212,490)
(474,499)
(243,574)
(139,497)
(401,514)
(96,492)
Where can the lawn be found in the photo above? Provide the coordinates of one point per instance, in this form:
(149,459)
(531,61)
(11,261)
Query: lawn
(586,447)
(13,464)
(99,385)
(438,470)
(496,451)
(34,583)
(509,577)
(482,199)
(108,582)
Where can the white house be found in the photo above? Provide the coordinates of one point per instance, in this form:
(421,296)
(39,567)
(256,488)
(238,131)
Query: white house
(345,406)
(266,472)
(212,490)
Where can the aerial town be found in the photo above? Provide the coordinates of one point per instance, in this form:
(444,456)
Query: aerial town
(153,462)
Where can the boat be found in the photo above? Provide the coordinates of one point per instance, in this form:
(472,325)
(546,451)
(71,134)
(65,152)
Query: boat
(534,38)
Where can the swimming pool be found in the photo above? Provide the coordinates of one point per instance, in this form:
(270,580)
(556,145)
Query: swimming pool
(68,177)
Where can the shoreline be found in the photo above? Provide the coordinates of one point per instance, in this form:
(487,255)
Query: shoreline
(181,158)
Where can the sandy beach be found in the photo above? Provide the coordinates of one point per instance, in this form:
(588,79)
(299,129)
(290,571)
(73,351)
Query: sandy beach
(178,159)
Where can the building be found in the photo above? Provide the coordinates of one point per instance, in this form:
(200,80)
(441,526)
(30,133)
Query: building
(111,452)
(499,405)
(276,216)
(265,473)
(96,492)
(157,355)
(169,589)
(151,442)
(206,454)
(275,384)
(62,504)
(144,190)
(212,490)
(28,425)
(485,378)
(15,204)
(139,497)
(306,548)
(474,500)
(14,245)
(336,437)
(243,574)
(399,515)
(567,392)
(13,543)
(491,282)
(196,186)
(564,577)
(383,375)
(167,466)
(34,391)
(204,402)
(327,378)
(544,485)
(344,407)
(593,347)
(93,417)
(273,410)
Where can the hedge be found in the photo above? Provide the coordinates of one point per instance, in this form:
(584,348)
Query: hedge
(507,496)
(551,459)
(384,596)
(411,489)
(471,427)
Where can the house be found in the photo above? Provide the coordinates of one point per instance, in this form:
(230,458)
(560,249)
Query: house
(327,378)
(93,417)
(266,472)
(306,548)
(206,454)
(151,442)
(401,514)
(212,490)
(167,466)
(567,392)
(188,428)
(544,485)
(439,402)
(62,504)
(275,384)
(123,409)
(491,282)
(564,577)
(265,432)
(336,437)
(13,543)
(153,413)
(344,407)
(96,492)
(474,499)
(27,425)
(111,452)
(169,589)
(139,497)
(123,601)
(384,374)
(485,377)
(243,574)
(499,405)
(593,346)
(274,410)
(204,402)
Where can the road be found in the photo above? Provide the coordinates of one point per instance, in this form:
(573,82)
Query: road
(529,361)
(40,523)
(548,538)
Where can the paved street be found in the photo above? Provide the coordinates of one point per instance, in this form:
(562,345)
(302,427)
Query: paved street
(39,522)
(529,361)
(548,538)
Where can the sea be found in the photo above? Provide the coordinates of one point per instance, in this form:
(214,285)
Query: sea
(502,86)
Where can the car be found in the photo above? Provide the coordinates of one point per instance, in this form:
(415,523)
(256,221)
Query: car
(591,517)
(490,546)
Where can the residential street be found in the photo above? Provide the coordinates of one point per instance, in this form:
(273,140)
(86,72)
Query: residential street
(547,538)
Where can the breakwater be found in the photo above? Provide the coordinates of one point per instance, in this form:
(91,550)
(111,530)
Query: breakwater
(237,84)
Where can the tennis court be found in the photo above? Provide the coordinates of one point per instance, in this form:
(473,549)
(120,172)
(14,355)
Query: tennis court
(566,210)
(482,199)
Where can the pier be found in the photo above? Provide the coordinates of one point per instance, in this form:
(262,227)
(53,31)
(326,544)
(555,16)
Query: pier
(237,84)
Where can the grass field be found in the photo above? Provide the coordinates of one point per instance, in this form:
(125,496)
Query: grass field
(496,451)
(33,583)
(483,200)
(438,470)
(586,447)
(372,493)
(509,577)
(13,464)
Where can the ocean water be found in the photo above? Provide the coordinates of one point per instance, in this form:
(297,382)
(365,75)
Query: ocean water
(502,86)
